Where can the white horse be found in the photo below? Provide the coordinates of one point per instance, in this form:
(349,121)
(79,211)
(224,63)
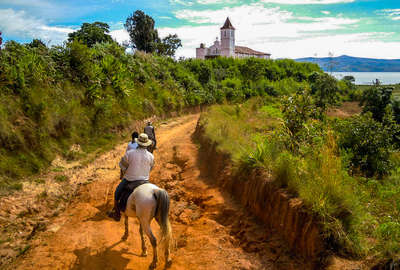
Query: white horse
(147,202)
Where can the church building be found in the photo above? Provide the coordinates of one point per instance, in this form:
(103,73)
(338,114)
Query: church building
(227,46)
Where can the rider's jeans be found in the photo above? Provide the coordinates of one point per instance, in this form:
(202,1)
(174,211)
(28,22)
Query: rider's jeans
(120,188)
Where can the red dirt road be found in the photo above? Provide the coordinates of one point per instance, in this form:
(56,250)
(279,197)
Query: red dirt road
(210,230)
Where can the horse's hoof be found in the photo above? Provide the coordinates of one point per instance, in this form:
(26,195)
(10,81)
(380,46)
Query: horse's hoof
(144,254)
(124,237)
(152,266)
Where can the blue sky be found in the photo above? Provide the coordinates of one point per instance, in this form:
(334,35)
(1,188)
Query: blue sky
(284,28)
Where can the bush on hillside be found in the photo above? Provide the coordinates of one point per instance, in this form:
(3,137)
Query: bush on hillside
(367,143)
(375,100)
(325,91)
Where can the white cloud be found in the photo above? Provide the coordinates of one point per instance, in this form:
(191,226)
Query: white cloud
(307,2)
(182,2)
(393,14)
(27,3)
(20,24)
(361,45)
(208,2)
(254,13)
(255,20)
(120,35)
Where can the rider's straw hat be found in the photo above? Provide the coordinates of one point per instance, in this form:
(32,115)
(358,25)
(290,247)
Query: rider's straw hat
(143,140)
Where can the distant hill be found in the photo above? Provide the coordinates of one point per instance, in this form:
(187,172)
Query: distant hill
(346,63)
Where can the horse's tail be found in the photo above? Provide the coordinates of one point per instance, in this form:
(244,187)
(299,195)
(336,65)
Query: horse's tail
(162,211)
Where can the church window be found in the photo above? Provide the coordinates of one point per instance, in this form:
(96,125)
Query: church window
(224,33)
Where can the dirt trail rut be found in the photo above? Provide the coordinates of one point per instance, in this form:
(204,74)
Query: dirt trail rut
(210,230)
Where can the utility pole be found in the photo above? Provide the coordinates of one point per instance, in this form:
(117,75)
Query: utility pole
(331,62)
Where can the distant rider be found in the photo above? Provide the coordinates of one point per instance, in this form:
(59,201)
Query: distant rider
(133,144)
(135,165)
(149,130)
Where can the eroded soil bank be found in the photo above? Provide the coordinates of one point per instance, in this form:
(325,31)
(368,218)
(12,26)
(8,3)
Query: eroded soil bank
(281,213)
(211,230)
(276,208)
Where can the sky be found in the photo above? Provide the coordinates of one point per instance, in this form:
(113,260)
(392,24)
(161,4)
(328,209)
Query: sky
(283,28)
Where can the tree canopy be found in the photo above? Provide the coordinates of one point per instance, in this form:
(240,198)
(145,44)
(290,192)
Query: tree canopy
(144,37)
(140,27)
(92,33)
(168,45)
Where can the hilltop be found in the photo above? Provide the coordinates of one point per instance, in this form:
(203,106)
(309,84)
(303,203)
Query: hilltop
(347,63)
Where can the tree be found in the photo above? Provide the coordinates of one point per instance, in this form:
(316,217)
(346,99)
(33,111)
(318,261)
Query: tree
(141,31)
(368,142)
(325,91)
(251,69)
(37,43)
(92,33)
(375,100)
(349,78)
(144,37)
(168,45)
(1,40)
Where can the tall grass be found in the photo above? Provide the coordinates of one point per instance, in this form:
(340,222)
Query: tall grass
(359,216)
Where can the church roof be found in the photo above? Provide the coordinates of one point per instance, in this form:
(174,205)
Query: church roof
(227,24)
(246,50)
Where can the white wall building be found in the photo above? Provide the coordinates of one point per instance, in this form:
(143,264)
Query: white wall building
(227,46)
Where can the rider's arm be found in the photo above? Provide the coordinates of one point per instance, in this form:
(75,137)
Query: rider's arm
(124,163)
(151,162)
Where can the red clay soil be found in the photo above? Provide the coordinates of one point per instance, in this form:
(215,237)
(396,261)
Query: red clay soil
(211,230)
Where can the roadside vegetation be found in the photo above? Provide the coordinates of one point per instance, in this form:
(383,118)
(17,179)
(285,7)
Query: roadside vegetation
(88,91)
(346,170)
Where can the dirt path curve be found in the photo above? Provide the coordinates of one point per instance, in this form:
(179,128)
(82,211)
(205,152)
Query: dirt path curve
(210,230)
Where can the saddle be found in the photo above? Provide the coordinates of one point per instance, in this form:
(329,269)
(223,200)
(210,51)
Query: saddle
(127,191)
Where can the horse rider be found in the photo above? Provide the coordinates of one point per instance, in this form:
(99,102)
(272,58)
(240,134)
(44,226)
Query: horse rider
(135,166)
(149,130)
(133,144)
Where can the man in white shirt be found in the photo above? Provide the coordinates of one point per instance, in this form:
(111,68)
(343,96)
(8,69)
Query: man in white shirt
(135,166)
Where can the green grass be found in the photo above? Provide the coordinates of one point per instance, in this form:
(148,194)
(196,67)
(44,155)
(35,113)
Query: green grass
(61,178)
(360,217)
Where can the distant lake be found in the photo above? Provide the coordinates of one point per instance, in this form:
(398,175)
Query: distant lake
(368,77)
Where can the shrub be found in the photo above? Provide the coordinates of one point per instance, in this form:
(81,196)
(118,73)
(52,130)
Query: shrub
(297,110)
(375,100)
(325,91)
(369,143)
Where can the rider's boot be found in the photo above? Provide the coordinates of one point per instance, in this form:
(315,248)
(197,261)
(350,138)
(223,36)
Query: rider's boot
(115,214)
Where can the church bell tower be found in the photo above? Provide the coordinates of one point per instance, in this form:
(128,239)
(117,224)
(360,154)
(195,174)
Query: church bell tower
(227,39)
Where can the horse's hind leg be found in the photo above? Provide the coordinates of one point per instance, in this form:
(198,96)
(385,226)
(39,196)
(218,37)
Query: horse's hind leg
(144,249)
(168,261)
(126,234)
(145,225)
